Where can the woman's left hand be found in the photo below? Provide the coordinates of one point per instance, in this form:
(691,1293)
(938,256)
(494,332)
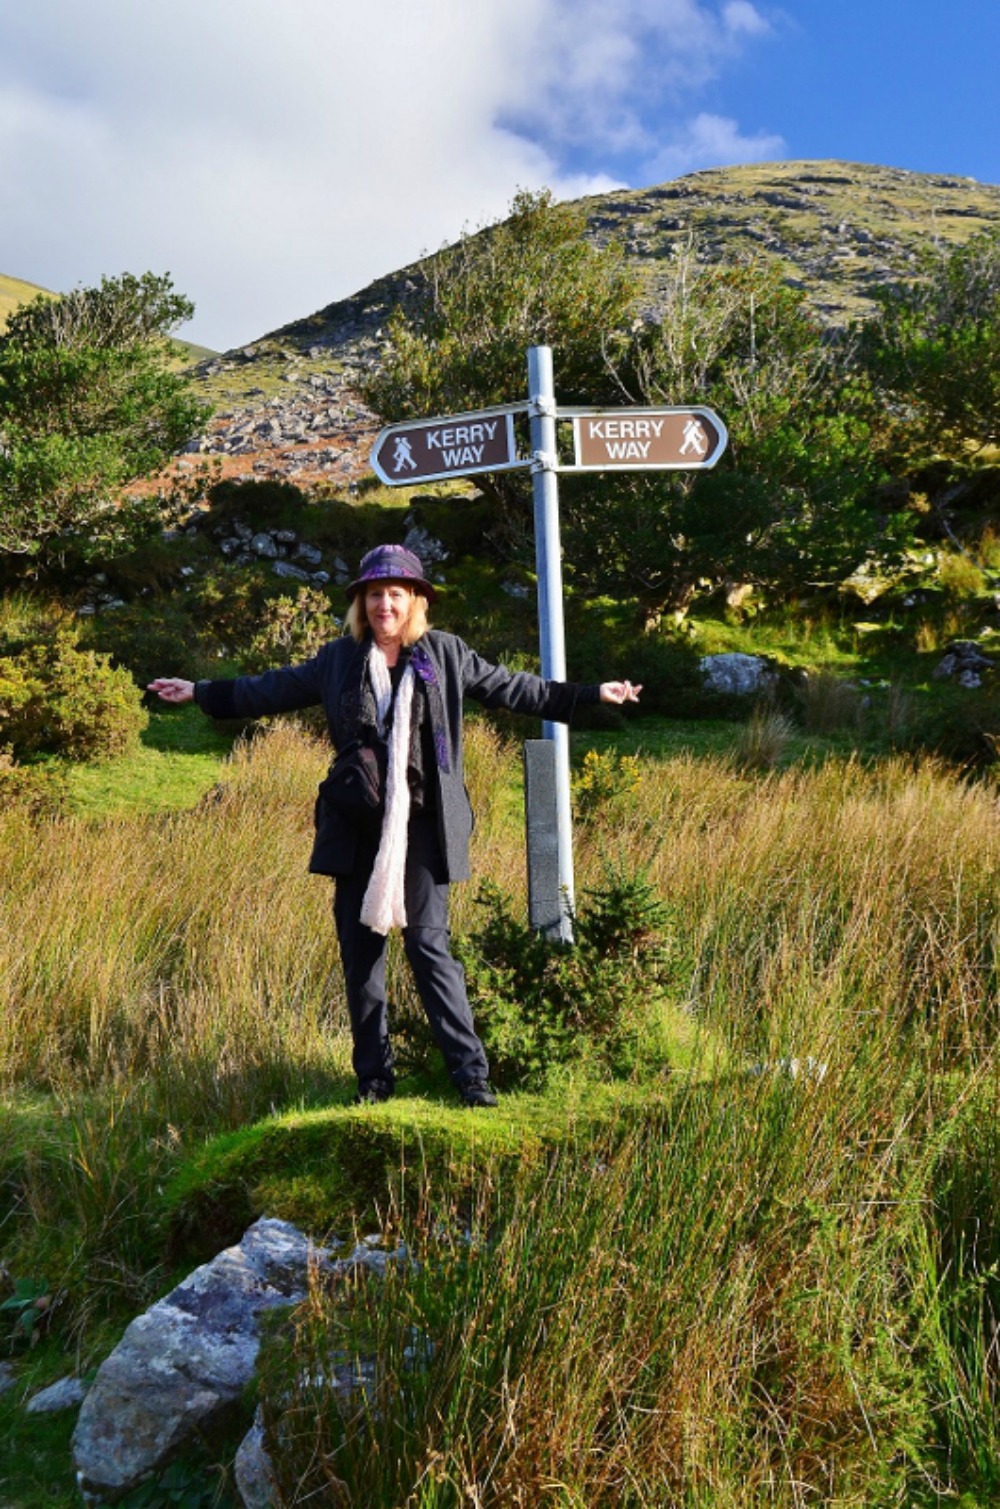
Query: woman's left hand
(619,692)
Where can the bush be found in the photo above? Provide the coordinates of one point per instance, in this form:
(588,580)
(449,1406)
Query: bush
(291,630)
(542,1004)
(603,777)
(40,793)
(58,699)
(153,639)
(960,576)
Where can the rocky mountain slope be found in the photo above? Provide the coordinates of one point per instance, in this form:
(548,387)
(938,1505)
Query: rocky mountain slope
(287,405)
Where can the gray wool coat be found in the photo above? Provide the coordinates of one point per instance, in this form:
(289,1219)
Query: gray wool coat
(450,670)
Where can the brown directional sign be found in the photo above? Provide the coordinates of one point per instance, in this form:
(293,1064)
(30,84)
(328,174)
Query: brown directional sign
(432,449)
(631,439)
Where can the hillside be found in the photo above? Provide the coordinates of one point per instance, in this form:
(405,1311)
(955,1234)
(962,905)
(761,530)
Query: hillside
(839,230)
(13,292)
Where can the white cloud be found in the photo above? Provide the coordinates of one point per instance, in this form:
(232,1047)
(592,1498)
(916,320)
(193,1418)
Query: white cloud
(711,141)
(275,157)
(743,19)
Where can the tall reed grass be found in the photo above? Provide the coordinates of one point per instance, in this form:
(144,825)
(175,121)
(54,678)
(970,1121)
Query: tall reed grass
(780,1289)
(743,1301)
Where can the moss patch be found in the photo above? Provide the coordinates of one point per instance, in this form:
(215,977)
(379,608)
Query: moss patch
(346,1167)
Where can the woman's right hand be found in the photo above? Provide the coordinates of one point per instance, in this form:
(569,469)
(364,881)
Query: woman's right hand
(172,689)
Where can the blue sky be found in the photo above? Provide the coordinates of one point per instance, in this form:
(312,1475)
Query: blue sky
(274,155)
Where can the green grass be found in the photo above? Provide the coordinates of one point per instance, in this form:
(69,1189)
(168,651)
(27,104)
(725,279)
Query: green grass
(180,760)
(724,1276)
(338,1169)
(36,1469)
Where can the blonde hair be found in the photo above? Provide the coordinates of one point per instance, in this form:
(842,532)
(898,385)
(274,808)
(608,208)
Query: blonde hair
(356,620)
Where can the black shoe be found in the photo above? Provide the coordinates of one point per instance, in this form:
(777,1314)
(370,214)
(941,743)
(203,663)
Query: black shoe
(373,1091)
(477,1092)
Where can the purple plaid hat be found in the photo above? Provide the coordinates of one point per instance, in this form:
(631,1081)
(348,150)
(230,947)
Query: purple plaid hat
(393,563)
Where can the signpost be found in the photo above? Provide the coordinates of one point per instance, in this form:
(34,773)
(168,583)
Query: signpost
(633,439)
(433,450)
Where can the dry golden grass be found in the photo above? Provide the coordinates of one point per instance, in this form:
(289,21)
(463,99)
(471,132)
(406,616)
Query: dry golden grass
(776,1289)
(195,940)
(199,938)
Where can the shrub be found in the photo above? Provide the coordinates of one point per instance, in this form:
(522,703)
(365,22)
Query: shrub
(960,576)
(264,504)
(40,793)
(58,699)
(153,639)
(542,1004)
(603,777)
(291,629)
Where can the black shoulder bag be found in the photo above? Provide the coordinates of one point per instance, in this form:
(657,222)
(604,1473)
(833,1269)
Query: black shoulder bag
(356,779)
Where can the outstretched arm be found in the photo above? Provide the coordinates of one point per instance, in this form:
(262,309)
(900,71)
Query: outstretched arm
(619,692)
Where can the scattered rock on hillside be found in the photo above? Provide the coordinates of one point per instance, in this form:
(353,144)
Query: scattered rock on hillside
(965,661)
(182,1365)
(66,1394)
(252,1468)
(736,675)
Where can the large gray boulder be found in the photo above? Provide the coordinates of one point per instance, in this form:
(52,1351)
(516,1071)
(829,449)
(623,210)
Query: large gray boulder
(735,674)
(181,1366)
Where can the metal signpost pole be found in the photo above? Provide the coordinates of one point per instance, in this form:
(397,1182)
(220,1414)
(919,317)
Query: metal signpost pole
(460,445)
(541,391)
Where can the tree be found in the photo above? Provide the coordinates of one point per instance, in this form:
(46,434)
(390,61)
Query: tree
(89,401)
(791,501)
(933,351)
(531,280)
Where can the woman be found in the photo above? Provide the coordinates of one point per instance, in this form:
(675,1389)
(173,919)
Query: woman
(393,818)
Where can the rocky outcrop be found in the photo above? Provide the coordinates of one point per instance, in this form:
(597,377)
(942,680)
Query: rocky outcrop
(838,231)
(184,1364)
(182,1367)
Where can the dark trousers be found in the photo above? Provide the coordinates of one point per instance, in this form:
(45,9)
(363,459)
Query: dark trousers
(439,978)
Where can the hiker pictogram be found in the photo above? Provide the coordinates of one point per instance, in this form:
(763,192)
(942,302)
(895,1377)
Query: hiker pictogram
(403,455)
(695,439)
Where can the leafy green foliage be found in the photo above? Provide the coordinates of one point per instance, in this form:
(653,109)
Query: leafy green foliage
(58,699)
(792,498)
(41,793)
(934,351)
(604,777)
(154,637)
(27,1308)
(88,402)
(291,629)
(541,1004)
(531,280)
